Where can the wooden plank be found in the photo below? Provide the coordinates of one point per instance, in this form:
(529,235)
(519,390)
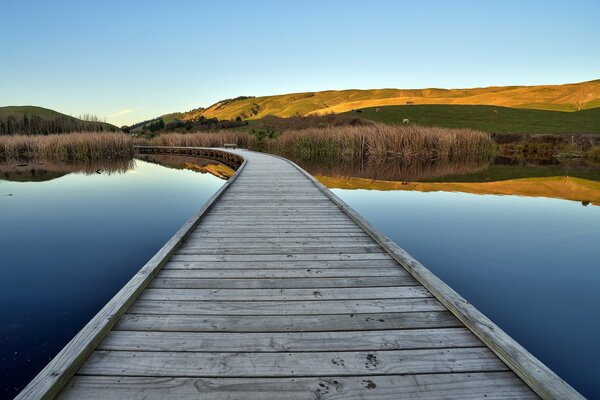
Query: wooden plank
(221,265)
(273,250)
(284,294)
(298,307)
(461,386)
(289,323)
(281,257)
(233,342)
(231,235)
(281,273)
(182,364)
(280,283)
(250,243)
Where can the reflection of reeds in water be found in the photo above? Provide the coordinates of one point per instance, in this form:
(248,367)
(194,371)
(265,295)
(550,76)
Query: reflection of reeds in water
(198,164)
(213,139)
(81,147)
(393,170)
(46,170)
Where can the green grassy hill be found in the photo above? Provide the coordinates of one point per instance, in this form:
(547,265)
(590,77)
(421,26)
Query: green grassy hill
(487,118)
(39,120)
(568,97)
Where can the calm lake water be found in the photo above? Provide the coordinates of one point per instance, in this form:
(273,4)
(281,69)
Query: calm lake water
(521,242)
(531,264)
(68,244)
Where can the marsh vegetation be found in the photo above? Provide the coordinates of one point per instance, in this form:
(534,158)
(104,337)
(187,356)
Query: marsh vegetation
(81,147)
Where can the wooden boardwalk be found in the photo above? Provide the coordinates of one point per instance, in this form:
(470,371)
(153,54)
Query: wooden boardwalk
(277,290)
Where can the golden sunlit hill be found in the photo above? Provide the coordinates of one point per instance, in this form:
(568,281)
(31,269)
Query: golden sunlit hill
(568,97)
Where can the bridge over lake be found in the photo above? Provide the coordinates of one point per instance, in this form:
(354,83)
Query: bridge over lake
(276,289)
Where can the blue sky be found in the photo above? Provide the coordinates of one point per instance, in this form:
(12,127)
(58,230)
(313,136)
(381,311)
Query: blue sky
(132,60)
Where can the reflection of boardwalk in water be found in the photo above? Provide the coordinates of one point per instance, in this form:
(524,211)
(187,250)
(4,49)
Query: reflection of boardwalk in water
(278,290)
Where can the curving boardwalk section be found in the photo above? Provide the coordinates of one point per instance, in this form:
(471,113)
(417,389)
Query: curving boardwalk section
(278,293)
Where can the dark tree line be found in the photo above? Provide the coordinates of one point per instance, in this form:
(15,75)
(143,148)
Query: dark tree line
(35,125)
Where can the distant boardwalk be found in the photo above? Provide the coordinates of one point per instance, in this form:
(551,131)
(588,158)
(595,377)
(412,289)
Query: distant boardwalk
(278,290)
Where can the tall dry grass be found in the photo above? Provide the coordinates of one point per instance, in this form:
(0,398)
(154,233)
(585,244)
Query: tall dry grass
(213,139)
(66,147)
(379,141)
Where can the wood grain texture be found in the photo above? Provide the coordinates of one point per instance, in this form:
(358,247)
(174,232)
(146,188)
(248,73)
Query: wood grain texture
(286,323)
(233,342)
(249,364)
(472,386)
(394,292)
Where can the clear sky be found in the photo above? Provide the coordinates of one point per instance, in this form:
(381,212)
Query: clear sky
(132,60)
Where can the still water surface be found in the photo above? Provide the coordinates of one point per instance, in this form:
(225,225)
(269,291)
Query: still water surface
(68,244)
(532,265)
(521,243)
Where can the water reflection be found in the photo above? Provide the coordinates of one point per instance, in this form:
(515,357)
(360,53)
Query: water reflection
(39,171)
(70,241)
(391,169)
(567,179)
(198,164)
(512,236)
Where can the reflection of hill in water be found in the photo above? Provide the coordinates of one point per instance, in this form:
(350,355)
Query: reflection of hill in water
(558,187)
(198,164)
(47,170)
(569,180)
(393,170)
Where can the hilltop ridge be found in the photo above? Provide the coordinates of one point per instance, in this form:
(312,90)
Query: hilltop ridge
(567,97)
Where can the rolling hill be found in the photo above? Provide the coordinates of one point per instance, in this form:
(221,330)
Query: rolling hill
(487,118)
(568,97)
(32,120)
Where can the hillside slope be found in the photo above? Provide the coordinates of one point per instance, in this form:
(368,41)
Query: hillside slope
(32,120)
(487,118)
(568,97)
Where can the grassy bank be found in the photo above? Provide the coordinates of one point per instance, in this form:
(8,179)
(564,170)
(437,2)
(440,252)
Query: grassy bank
(487,118)
(66,147)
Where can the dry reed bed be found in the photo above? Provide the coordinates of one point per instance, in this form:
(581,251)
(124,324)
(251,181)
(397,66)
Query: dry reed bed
(66,147)
(212,139)
(378,141)
(410,144)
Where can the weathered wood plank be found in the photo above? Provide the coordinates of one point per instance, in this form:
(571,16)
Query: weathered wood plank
(281,241)
(281,273)
(289,323)
(272,250)
(279,283)
(180,364)
(282,257)
(233,235)
(277,244)
(356,264)
(284,294)
(234,342)
(461,386)
(292,307)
